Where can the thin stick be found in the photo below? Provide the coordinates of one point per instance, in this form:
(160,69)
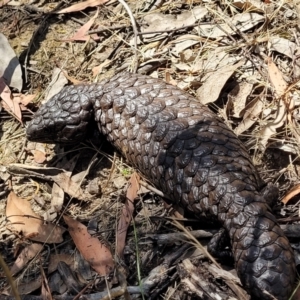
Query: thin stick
(9,278)
(135,34)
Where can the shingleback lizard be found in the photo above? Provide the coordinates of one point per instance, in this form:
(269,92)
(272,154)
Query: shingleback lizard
(186,151)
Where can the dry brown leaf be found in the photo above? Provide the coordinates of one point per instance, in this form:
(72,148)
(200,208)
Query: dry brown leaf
(58,193)
(280,87)
(285,47)
(119,182)
(93,251)
(252,111)
(23,219)
(56,258)
(39,153)
(10,68)
(81,6)
(158,21)
(81,33)
(98,69)
(8,101)
(5,93)
(210,90)
(24,99)
(270,129)
(69,186)
(291,193)
(39,156)
(58,197)
(276,78)
(216,59)
(45,290)
(29,287)
(250,5)
(169,79)
(72,79)
(132,190)
(58,81)
(3,2)
(127,212)
(243,22)
(28,253)
(238,97)
(184,42)
(79,177)
(59,176)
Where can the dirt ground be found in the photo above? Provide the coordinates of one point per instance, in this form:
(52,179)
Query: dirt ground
(241,58)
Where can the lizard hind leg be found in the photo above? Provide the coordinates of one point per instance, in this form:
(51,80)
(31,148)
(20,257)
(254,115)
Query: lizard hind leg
(271,194)
(219,246)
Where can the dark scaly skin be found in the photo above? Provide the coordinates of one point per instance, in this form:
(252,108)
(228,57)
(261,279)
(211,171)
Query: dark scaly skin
(186,151)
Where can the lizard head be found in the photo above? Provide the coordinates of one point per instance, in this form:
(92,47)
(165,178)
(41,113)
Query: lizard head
(63,119)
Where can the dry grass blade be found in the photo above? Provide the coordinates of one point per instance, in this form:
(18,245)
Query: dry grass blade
(126,214)
(9,278)
(238,291)
(196,242)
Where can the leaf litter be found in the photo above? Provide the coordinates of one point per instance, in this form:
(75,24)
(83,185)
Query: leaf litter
(240,58)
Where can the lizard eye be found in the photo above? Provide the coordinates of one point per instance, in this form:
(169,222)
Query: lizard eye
(47,130)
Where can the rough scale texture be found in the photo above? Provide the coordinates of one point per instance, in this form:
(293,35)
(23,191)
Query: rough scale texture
(186,151)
